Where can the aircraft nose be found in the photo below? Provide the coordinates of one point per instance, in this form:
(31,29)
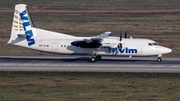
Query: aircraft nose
(164,50)
(168,50)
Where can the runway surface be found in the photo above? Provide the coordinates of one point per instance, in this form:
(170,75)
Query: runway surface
(82,64)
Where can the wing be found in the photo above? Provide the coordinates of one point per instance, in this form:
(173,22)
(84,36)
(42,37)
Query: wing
(97,41)
(88,43)
(93,42)
(104,35)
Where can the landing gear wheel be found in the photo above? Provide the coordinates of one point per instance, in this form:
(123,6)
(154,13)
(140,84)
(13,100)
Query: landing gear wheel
(98,57)
(93,59)
(159,59)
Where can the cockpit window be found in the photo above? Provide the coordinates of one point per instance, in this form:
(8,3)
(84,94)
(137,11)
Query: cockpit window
(152,44)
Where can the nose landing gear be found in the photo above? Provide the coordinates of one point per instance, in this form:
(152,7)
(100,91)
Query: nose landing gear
(159,59)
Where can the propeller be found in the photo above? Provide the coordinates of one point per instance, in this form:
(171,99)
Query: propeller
(120,39)
(125,34)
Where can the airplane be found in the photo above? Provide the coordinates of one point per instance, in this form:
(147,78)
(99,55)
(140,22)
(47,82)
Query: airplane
(25,34)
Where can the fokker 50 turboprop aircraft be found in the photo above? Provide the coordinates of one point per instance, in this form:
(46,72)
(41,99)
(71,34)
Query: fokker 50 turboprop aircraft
(24,34)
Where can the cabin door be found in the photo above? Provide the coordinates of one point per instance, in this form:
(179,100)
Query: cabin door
(54,47)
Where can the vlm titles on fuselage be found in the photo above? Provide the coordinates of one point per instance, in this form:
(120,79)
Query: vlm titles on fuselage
(25,34)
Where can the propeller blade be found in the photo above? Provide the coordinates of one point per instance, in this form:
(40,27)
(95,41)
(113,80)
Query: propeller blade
(120,39)
(120,36)
(125,35)
(120,46)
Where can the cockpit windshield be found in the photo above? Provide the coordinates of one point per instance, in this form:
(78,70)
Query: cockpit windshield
(152,44)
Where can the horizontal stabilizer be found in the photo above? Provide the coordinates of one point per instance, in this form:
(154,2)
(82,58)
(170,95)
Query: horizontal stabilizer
(21,35)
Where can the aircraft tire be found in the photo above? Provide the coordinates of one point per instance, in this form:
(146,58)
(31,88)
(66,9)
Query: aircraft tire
(98,57)
(93,59)
(159,59)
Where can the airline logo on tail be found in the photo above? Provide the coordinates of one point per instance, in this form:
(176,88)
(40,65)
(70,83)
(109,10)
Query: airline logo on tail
(22,25)
(27,28)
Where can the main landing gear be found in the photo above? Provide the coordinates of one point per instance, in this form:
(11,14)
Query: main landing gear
(94,56)
(92,59)
(159,59)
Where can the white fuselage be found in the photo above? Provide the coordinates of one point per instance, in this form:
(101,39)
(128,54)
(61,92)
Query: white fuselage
(62,45)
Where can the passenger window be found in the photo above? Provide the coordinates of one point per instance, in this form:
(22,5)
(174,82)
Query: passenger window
(61,45)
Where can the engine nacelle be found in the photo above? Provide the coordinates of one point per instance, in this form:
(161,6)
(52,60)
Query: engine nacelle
(110,43)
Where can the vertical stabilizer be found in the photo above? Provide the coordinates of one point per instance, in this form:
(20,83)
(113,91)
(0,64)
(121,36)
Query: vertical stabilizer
(22,26)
